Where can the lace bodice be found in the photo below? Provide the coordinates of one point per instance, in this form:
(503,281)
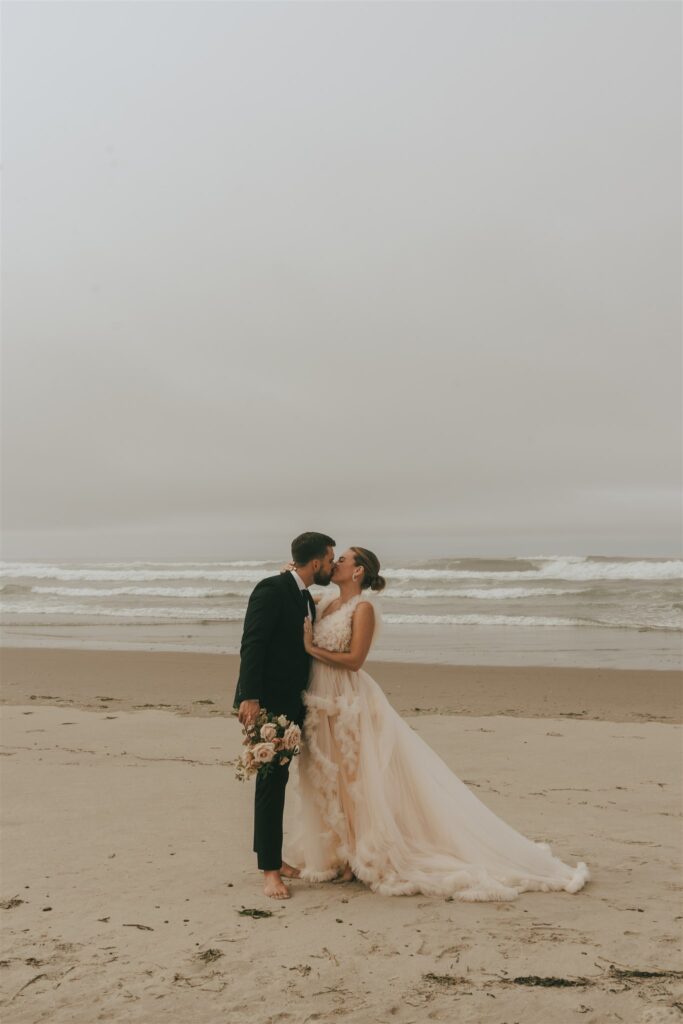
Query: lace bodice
(332,631)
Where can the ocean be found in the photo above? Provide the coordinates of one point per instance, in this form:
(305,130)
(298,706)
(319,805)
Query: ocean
(576,610)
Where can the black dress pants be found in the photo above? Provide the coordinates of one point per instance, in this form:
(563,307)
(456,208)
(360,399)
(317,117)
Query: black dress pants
(269,806)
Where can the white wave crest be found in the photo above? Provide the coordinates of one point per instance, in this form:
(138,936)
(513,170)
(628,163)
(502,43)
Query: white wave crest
(481,593)
(173,592)
(54,572)
(527,620)
(222,614)
(183,614)
(568,568)
(482,620)
(493,593)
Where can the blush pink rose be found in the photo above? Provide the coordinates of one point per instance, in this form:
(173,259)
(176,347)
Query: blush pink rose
(263,752)
(292,737)
(268,732)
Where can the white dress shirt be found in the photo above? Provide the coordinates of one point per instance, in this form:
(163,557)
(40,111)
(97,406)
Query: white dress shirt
(302,586)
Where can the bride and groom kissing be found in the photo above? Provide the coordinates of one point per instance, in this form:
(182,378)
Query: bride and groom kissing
(377,804)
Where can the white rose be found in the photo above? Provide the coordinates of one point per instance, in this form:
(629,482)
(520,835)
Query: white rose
(268,731)
(283,720)
(263,752)
(292,737)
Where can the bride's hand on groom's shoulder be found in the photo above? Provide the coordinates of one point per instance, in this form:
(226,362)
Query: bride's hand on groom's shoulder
(287,567)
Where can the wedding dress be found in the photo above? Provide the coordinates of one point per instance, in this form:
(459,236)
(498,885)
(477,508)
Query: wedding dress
(373,794)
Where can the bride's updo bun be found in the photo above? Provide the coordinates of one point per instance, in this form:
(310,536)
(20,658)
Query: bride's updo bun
(370,563)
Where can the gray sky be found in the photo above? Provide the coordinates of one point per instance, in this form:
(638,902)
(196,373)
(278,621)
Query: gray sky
(408,273)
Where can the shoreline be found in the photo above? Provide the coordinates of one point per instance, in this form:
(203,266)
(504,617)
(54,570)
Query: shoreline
(202,684)
(566,647)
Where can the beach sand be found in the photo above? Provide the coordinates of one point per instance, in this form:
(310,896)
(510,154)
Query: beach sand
(126,854)
(204,684)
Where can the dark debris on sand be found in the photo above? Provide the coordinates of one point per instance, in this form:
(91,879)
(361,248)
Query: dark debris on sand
(209,955)
(11,903)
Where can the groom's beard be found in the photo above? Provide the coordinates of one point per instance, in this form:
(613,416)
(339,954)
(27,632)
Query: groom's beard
(323,579)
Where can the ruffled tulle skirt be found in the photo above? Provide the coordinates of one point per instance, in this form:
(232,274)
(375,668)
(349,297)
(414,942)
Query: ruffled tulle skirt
(368,791)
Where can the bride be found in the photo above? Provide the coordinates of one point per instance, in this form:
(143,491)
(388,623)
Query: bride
(377,803)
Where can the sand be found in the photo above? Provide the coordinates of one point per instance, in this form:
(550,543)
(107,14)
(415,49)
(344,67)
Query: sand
(204,684)
(129,826)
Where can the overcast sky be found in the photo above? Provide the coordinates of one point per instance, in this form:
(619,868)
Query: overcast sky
(408,273)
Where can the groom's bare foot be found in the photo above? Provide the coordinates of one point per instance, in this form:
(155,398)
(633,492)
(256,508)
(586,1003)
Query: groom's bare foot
(288,871)
(274,886)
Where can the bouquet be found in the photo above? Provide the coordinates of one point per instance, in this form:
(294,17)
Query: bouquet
(269,741)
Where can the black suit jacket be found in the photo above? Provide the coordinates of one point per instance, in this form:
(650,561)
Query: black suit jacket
(274,665)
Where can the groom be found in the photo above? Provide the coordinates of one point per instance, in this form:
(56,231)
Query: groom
(274,669)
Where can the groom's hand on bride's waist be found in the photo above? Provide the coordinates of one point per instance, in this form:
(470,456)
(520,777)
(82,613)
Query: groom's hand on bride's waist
(248,711)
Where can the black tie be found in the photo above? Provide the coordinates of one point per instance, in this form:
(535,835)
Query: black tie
(308,600)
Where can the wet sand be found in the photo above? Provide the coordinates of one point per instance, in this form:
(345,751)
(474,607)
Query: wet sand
(204,684)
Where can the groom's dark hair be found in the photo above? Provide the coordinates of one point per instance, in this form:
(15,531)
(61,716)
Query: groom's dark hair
(308,546)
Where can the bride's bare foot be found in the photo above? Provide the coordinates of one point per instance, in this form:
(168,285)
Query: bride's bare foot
(288,871)
(274,886)
(347,875)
